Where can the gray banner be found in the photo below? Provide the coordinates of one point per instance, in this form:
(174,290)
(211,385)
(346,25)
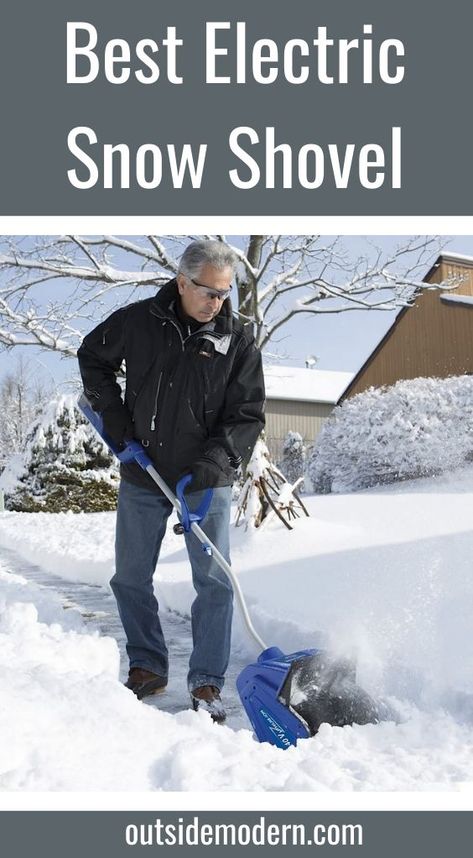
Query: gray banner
(390,834)
(431,161)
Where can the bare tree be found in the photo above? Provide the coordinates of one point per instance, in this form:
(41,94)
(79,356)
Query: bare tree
(54,288)
(22,395)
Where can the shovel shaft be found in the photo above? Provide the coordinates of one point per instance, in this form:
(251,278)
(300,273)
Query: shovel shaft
(219,558)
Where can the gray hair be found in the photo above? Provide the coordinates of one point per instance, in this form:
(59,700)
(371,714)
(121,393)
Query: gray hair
(211,252)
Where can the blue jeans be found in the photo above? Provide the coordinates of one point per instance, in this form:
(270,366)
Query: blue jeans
(141,524)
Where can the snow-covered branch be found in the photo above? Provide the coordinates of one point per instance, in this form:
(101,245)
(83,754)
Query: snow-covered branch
(29,329)
(279,277)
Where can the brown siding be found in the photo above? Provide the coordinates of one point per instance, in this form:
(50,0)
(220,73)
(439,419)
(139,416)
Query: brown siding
(432,338)
(283,416)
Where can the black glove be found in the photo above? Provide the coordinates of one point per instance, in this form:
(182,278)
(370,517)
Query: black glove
(117,423)
(211,469)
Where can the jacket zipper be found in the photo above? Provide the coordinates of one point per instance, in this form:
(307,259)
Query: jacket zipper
(183,342)
(176,326)
(189,333)
(155,410)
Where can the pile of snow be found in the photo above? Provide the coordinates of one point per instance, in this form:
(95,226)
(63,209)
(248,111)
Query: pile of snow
(413,429)
(385,574)
(64,465)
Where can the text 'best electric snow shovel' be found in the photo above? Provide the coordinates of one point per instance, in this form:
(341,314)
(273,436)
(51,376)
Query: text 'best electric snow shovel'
(286,697)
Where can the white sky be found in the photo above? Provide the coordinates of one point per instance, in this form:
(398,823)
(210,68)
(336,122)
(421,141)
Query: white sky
(341,342)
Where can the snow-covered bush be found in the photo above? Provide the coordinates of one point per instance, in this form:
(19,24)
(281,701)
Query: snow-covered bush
(292,463)
(412,429)
(64,465)
(22,396)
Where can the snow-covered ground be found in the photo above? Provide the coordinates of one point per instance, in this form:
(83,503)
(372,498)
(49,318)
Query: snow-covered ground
(385,574)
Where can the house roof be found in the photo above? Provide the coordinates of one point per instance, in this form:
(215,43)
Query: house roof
(327,386)
(456,258)
(308,385)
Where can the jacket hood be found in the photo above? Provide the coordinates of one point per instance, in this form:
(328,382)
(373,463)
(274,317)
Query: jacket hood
(164,302)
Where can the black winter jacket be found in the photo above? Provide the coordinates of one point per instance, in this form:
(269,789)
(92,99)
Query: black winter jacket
(187,394)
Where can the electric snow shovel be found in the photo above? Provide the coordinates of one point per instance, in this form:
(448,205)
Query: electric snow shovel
(286,697)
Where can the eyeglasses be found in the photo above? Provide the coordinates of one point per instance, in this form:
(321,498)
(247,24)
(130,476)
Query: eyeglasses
(207,292)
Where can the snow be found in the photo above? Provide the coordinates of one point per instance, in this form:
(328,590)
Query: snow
(383,573)
(459,257)
(294,457)
(307,385)
(61,454)
(419,427)
(457,299)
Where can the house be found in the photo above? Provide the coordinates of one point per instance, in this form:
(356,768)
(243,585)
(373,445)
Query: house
(299,400)
(431,338)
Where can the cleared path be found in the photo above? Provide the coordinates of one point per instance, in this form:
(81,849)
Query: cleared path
(97,607)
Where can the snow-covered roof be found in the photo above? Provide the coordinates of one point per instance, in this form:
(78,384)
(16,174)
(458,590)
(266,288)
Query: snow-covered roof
(309,385)
(458,257)
(457,299)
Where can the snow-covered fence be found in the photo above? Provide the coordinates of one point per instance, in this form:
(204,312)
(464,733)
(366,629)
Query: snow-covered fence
(412,429)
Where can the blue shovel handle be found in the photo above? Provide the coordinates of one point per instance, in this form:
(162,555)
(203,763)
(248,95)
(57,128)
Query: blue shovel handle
(129,451)
(197,515)
(132,451)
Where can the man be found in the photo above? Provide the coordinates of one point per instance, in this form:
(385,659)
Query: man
(194,398)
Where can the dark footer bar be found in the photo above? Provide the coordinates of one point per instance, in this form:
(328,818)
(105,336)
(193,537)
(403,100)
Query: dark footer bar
(123,834)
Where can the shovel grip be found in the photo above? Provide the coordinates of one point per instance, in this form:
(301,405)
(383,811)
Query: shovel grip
(133,452)
(198,514)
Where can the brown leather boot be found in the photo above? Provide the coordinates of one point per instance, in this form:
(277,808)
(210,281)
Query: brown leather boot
(143,682)
(207,697)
